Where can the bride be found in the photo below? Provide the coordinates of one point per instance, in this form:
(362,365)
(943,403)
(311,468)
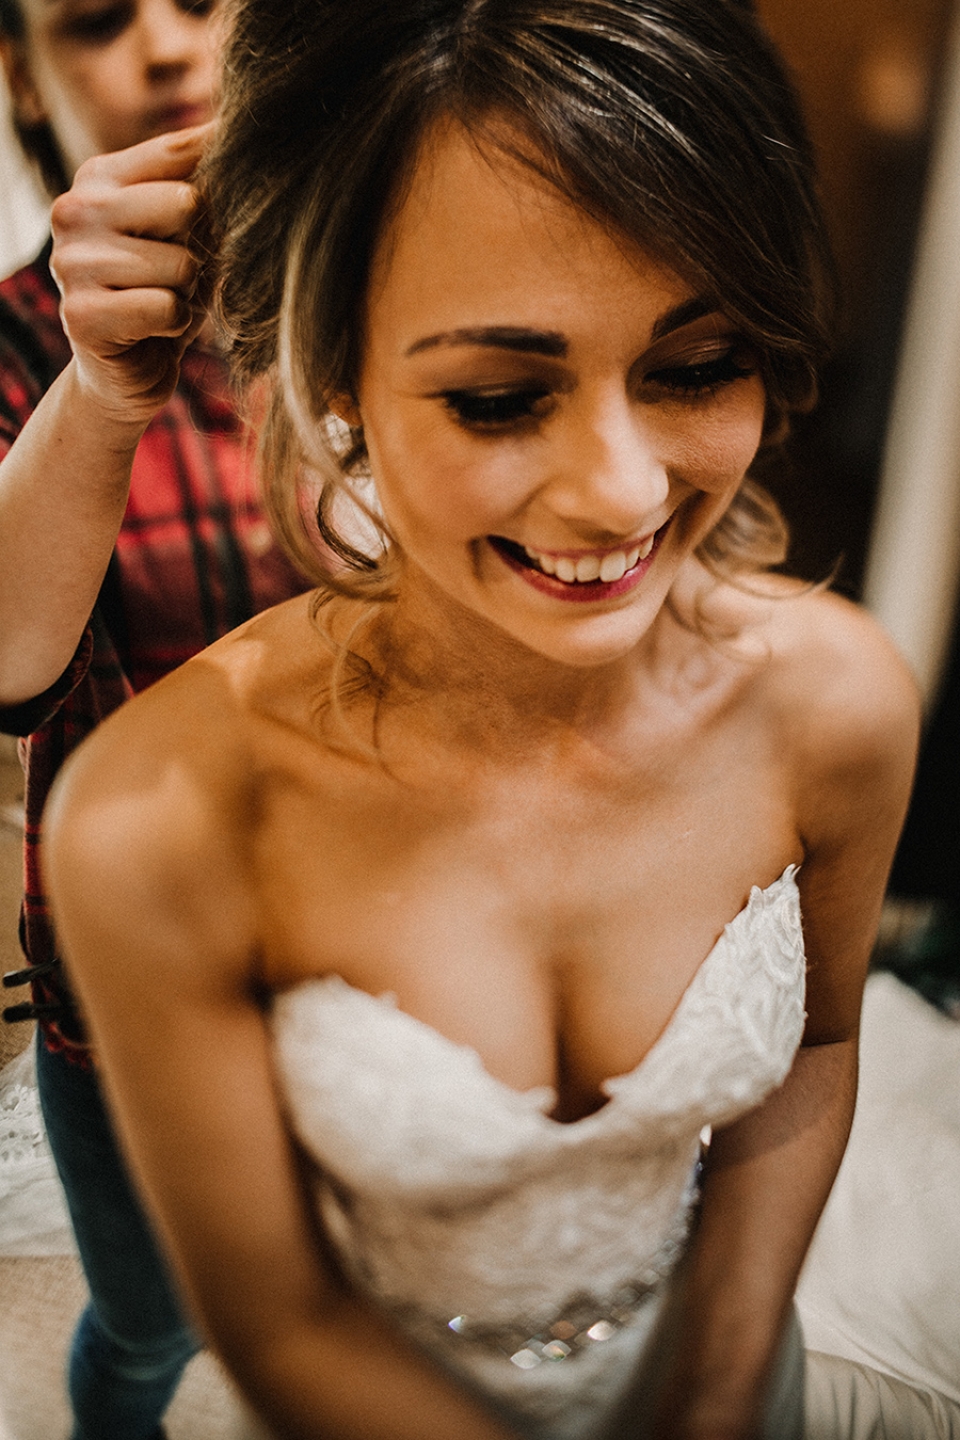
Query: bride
(425,923)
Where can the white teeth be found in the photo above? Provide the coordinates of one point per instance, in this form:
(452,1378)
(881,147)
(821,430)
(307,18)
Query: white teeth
(613,567)
(607,568)
(588,568)
(546,563)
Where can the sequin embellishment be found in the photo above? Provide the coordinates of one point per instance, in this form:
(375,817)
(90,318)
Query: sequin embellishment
(577,1329)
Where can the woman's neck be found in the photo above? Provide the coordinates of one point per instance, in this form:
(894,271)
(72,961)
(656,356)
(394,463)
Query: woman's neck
(479,687)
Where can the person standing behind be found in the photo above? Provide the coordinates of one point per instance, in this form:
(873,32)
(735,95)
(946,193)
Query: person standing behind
(104,590)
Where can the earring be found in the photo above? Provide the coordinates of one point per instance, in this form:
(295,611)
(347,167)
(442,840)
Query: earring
(346,409)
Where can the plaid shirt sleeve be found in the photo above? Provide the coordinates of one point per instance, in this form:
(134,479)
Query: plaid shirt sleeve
(194,558)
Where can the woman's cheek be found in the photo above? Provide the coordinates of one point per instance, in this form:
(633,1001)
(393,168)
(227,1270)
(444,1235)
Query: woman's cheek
(722,458)
(462,488)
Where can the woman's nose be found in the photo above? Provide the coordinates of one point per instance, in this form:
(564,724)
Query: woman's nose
(170,37)
(611,476)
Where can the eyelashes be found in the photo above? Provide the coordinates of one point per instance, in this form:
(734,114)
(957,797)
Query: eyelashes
(705,377)
(500,407)
(491,408)
(100,25)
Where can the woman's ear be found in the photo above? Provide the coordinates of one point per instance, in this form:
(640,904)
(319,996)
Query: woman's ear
(346,409)
(28,107)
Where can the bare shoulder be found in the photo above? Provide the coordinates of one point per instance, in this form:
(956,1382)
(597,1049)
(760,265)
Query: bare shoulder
(838,674)
(202,720)
(845,706)
(155,816)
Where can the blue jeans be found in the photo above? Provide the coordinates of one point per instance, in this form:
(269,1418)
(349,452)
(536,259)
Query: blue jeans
(133,1340)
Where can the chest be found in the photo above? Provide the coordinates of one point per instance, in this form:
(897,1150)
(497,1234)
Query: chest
(552,927)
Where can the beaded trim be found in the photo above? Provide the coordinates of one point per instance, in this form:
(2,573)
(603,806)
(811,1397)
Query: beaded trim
(579,1327)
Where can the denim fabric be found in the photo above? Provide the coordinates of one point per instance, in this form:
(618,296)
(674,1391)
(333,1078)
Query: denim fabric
(133,1340)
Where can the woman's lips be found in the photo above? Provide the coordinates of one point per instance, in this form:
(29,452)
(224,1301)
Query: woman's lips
(625,567)
(179,117)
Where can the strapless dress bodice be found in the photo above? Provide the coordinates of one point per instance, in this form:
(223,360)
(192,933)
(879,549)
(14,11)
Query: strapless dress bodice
(529,1255)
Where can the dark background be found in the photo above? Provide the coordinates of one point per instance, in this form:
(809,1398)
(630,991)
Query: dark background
(869,73)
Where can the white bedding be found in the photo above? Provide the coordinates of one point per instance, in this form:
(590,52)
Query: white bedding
(881,1286)
(847,1401)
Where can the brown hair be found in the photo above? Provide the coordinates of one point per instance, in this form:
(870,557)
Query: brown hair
(37,141)
(672,121)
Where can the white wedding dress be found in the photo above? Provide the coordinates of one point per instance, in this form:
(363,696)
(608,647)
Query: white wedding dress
(449,1196)
(526,1255)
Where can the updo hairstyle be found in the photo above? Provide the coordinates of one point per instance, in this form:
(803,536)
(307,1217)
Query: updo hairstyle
(671,121)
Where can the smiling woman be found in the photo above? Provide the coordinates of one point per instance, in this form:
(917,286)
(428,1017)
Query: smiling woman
(552,828)
(612,420)
(603,136)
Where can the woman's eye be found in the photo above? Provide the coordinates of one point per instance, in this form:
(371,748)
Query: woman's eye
(98,27)
(704,376)
(493,409)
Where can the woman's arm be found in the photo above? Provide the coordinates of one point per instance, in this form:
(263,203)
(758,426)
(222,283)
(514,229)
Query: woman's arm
(768,1175)
(149,860)
(126,275)
(765,1183)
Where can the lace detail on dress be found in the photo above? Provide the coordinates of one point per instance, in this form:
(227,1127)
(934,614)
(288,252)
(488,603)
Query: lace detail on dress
(23,1142)
(33,1217)
(451,1197)
(747,999)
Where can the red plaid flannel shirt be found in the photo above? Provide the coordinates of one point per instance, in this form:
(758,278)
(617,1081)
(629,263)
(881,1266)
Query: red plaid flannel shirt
(194,558)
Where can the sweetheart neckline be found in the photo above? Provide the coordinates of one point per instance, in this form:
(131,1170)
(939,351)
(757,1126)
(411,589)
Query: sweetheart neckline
(538,1097)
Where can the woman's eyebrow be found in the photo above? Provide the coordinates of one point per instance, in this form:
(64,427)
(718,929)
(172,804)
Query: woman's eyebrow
(683,314)
(498,337)
(551,342)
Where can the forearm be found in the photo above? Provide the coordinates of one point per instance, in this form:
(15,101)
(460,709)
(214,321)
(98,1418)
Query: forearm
(352,1376)
(63,490)
(765,1184)
(126,276)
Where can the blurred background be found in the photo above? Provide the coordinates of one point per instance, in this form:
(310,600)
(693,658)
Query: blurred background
(871,73)
(871,484)
(873,480)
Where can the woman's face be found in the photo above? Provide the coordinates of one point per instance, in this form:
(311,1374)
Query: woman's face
(554,419)
(106,74)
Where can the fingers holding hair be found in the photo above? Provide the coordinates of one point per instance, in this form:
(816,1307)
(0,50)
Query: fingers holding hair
(126,263)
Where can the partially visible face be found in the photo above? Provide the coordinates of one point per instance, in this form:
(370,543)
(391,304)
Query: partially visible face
(106,74)
(554,419)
